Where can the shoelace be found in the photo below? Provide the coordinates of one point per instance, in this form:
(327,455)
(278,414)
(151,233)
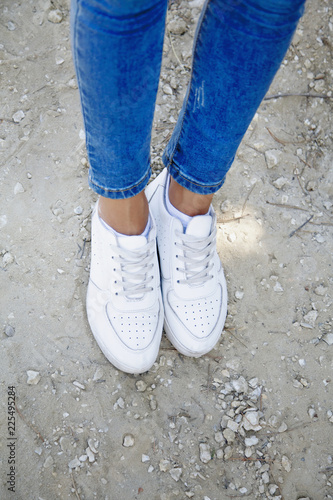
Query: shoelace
(197,258)
(134,276)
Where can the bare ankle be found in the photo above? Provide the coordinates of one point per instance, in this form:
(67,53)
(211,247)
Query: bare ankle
(127,215)
(186,201)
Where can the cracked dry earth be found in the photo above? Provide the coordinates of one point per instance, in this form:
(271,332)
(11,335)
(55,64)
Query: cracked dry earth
(253,418)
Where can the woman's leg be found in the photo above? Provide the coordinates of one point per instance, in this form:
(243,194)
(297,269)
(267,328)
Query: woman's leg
(117,49)
(238,48)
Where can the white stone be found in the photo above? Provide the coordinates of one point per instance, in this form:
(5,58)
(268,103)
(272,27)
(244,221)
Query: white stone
(177,26)
(205,452)
(239,295)
(272,157)
(240,385)
(164,465)
(280,182)
(77,384)
(55,16)
(141,386)
(311,317)
(128,440)
(176,473)
(251,421)
(328,338)
(286,463)
(232,425)
(48,462)
(145,458)
(251,441)
(74,463)
(18,116)
(283,427)
(33,377)
(18,188)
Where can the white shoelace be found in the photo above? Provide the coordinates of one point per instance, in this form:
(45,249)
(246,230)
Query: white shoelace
(196,256)
(135,267)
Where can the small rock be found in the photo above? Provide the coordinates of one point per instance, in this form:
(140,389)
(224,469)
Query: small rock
(93,445)
(286,463)
(283,427)
(77,384)
(251,441)
(272,157)
(72,83)
(205,452)
(232,425)
(251,421)
(11,26)
(229,435)
(9,331)
(240,385)
(7,259)
(328,338)
(18,188)
(319,238)
(48,462)
(141,386)
(311,317)
(272,488)
(280,182)
(55,16)
(164,465)
(83,458)
(239,295)
(167,89)
(232,237)
(128,440)
(227,453)
(39,451)
(177,26)
(18,116)
(145,458)
(176,473)
(78,210)
(320,290)
(74,463)
(33,377)
(243,490)
(59,60)
(98,374)
(278,287)
(90,455)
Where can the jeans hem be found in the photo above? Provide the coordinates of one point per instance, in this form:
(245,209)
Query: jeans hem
(118,194)
(187,183)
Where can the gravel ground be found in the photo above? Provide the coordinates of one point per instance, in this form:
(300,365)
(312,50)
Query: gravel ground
(251,419)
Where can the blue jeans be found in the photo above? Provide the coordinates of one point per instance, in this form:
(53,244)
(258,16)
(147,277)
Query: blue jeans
(117,50)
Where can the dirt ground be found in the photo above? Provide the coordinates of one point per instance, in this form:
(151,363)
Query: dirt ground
(251,419)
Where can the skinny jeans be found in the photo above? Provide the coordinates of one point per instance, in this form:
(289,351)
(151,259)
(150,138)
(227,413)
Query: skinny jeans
(117,50)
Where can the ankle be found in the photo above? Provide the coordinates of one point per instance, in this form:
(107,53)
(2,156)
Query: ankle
(126,216)
(186,201)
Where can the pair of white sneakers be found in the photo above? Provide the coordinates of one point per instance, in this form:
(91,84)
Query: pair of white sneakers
(131,295)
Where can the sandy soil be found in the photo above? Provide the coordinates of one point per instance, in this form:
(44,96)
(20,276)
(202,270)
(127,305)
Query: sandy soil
(254,417)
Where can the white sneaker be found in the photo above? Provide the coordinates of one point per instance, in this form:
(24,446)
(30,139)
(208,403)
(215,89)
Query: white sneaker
(124,302)
(193,285)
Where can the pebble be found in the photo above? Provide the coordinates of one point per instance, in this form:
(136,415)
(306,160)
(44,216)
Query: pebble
(78,210)
(177,26)
(93,445)
(9,331)
(286,463)
(251,441)
(164,465)
(90,455)
(141,386)
(283,427)
(18,116)
(311,318)
(280,182)
(145,458)
(74,463)
(320,290)
(98,374)
(239,295)
(240,385)
(176,473)
(272,157)
(48,462)
(167,89)
(319,238)
(33,377)
(55,16)
(251,421)
(7,259)
(11,26)
(77,384)
(18,188)
(328,338)
(229,435)
(128,440)
(205,452)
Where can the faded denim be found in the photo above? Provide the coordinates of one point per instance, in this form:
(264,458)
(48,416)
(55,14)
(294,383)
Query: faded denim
(117,50)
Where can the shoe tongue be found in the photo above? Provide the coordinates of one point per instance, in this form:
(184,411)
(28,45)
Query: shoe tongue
(132,242)
(200,226)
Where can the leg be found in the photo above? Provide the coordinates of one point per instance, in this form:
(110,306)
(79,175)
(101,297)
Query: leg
(117,49)
(238,48)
